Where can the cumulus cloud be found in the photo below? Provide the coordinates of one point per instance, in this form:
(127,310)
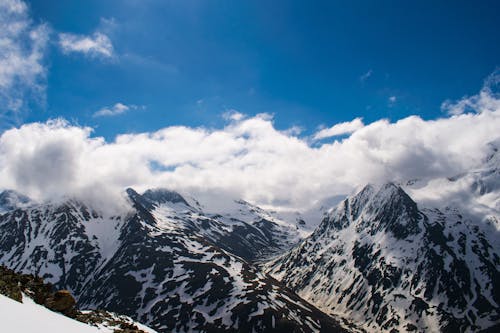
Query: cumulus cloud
(347,127)
(97,45)
(22,71)
(248,158)
(116,109)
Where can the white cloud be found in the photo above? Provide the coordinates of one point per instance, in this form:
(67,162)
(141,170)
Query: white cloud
(22,50)
(487,99)
(97,45)
(392,99)
(116,109)
(249,158)
(347,127)
(233,115)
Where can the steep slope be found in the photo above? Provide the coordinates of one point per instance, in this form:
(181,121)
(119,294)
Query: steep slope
(386,264)
(162,263)
(63,243)
(14,316)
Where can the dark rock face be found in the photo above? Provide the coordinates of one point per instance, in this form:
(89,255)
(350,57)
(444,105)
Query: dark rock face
(388,265)
(163,263)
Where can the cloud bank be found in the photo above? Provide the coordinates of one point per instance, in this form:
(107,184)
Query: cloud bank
(248,158)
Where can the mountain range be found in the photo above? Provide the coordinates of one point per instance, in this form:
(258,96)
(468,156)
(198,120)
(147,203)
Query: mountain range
(390,257)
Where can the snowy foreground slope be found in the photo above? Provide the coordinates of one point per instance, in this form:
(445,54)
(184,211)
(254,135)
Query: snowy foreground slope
(384,262)
(164,263)
(29,317)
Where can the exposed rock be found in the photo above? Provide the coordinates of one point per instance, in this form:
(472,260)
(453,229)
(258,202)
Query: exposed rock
(62,301)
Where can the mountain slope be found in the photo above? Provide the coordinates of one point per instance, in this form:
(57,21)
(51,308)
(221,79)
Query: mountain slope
(162,263)
(380,260)
(14,316)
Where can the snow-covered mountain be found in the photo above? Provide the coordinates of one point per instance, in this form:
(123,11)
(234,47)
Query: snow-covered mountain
(165,263)
(388,264)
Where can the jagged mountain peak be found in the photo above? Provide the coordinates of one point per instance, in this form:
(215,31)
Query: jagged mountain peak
(138,201)
(374,209)
(163,195)
(388,264)
(153,198)
(380,194)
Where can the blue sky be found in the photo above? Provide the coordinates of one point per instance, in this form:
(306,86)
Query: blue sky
(100,88)
(309,64)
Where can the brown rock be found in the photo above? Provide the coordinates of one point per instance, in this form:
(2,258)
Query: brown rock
(61,301)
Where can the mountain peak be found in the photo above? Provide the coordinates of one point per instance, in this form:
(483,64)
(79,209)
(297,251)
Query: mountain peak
(373,209)
(162,195)
(138,200)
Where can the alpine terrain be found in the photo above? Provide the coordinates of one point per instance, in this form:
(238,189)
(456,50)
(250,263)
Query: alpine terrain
(390,264)
(380,260)
(164,263)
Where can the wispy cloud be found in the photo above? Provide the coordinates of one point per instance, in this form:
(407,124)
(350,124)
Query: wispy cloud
(97,45)
(116,109)
(347,127)
(22,51)
(366,76)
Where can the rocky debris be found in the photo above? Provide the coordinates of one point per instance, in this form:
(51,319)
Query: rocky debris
(13,285)
(120,324)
